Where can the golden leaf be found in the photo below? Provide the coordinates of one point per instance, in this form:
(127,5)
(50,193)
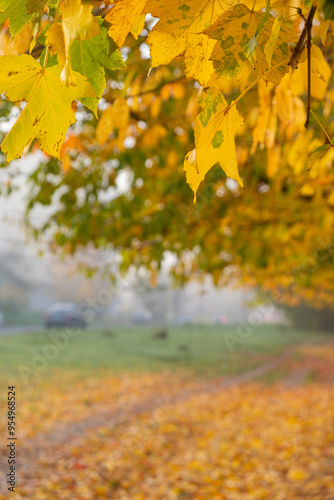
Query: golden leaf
(48,112)
(215,128)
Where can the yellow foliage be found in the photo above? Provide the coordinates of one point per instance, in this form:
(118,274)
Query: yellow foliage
(123,17)
(236,30)
(155,107)
(184,437)
(215,127)
(48,112)
(115,116)
(273,160)
(18,45)
(138,27)
(273,40)
(265,130)
(188,18)
(296,81)
(331,198)
(154,135)
(307,190)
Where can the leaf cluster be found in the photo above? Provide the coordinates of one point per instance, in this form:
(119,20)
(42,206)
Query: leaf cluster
(217,84)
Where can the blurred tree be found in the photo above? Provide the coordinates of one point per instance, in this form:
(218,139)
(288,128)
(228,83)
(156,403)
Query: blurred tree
(118,180)
(308,318)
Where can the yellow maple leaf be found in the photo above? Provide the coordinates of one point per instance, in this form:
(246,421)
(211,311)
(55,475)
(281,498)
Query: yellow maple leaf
(178,30)
(123,17)
(177,33)
(240,44)
(48,113)
(215,128)
(77,23)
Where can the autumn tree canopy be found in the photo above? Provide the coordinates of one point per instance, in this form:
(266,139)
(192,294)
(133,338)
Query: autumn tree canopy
(119,95)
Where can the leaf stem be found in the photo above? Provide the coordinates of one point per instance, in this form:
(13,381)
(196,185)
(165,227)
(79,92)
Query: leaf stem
(288,17)
(46,57)
(322,127)
(256,81)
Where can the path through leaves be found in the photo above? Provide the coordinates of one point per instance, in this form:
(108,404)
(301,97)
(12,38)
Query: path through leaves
(164,436)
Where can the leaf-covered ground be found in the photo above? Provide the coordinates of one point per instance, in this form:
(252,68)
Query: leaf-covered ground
(164,436)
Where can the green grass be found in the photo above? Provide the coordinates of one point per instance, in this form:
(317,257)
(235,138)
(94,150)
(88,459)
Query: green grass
(201,350)
(23,318)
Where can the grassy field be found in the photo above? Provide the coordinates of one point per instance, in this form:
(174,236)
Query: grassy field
(122,414)
(202,350)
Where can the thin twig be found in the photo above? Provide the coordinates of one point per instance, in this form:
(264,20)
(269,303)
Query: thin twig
(322,128)
(308,26)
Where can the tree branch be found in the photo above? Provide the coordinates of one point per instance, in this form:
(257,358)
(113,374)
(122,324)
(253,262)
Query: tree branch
(298,50)
(308,26)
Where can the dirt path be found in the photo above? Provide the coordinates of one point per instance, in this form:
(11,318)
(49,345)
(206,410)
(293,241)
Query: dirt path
(109,418)
(37,448)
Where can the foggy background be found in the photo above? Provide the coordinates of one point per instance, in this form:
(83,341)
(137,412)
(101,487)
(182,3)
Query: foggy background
(32,279)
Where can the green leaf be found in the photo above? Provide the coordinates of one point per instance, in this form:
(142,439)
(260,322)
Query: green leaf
(17,14)
(91,57)
(328,8)
(36,6)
